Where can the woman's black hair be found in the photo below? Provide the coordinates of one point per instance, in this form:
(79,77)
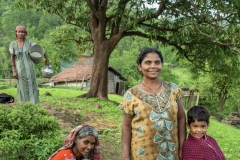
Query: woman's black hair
(198,113)
(144,53)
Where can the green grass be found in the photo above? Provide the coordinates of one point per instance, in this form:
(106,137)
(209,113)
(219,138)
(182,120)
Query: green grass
(9,90)
(68,99)
(227,136)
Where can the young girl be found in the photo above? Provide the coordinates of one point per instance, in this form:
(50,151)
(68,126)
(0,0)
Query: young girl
(199,145)
(81,143)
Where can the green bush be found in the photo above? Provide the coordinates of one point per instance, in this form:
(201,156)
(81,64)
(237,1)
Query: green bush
(28,132)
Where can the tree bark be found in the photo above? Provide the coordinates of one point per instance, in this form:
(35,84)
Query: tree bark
(221,104)
(190,99)
(222,99)
(99,79)
(103,47)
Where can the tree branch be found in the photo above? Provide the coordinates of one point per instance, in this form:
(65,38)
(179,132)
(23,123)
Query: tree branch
(92,7)
(154,15)
(121,7)
(216,42)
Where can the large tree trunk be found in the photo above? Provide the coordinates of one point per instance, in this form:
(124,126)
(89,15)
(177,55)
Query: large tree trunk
(103,47)
(99,78)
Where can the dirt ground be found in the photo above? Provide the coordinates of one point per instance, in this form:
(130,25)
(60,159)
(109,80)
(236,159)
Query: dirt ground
(69,118)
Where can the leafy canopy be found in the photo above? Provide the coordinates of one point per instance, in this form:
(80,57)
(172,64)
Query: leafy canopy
(192,27)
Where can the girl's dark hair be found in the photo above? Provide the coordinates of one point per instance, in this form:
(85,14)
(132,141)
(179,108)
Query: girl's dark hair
(198,113)
(144,53)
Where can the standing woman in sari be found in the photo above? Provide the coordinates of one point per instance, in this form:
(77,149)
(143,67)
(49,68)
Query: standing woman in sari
(23,67)
(153,126)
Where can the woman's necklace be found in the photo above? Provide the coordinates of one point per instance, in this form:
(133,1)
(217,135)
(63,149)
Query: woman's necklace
(155,91)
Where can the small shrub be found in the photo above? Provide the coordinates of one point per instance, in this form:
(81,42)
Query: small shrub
(28,132)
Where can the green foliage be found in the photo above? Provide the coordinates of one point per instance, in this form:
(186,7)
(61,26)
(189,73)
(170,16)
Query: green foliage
(168,75)
(43,29)
(125,51)
(127,55)
(199,31)
(27,132)
(34,120)
(183,76)
(218,86)
(12,146)
(4,64)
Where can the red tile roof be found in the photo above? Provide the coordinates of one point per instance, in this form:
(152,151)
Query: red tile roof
(78,73)
(74,73)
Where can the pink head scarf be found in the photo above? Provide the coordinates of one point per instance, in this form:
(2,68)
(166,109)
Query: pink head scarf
(21,28)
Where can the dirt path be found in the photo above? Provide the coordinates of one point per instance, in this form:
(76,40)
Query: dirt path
(70,118)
